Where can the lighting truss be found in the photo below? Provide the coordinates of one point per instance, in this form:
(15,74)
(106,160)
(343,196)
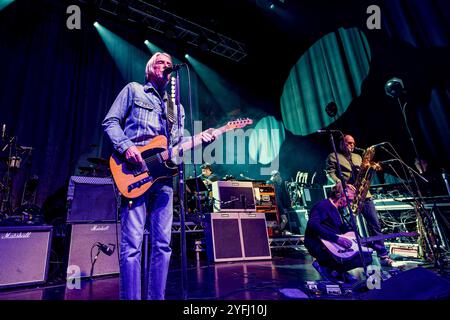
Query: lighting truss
(158,20)
(189,227)
(291,242)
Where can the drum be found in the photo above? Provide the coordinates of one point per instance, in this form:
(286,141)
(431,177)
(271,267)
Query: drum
(14,162)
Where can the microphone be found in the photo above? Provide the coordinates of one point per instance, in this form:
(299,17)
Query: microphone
(175,67)
(358,149)
(106,249)
(24,148)
(328,131)
(388,161)
(247,178)
(379,144)
(243,201)
(3,132)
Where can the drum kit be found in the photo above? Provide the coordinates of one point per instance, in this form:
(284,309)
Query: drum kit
(17,157)
(98,168)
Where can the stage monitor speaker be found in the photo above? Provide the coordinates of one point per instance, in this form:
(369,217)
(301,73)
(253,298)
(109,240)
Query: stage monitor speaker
(232,236)
(91,199)
(298,219)
(233,196)
(414,284)
(83,247)
(25,252)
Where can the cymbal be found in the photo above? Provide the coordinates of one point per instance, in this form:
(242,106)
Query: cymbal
(89,169)
(98,161)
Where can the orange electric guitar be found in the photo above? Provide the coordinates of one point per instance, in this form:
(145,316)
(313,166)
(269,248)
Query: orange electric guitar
(134,180)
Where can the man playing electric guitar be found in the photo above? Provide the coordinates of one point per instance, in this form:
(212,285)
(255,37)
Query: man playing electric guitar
(143,115)
(325,222)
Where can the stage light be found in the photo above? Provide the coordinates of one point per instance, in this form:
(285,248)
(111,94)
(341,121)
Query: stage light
(147,42)
(186,56)
(4,3)
(203,43)
(96,24)
(272,6)
(331,109)
(394,87)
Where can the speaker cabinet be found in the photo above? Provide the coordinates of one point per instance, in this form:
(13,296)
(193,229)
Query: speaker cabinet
(84,239)
(254,236)
(25,252)
(233,196)
(223,241)
(91,199)
(414,284)
(311,196)
(232,236)
(298,219)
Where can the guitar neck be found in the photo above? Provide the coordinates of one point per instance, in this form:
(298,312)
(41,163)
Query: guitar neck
(187,145)
(389,236)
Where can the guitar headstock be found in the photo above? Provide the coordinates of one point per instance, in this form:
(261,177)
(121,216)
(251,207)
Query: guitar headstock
(239,123)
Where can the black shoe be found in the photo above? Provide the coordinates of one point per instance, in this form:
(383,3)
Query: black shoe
(327,274)
(350,279)
(385,261)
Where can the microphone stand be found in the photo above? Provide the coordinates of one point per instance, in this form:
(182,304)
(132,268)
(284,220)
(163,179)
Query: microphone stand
(352,218)
(181,193)
(423,216)
(94,260)
(416,153)
(7,202)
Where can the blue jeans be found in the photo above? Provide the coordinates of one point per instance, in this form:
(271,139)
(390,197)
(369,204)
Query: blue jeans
(158,201)
(370,214)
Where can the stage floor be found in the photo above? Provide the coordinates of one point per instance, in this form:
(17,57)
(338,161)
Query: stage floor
(283,277)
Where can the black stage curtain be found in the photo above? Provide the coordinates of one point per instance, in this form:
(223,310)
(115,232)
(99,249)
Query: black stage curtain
(56,85)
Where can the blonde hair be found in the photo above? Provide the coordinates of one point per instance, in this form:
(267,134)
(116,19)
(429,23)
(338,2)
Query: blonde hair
(151,63)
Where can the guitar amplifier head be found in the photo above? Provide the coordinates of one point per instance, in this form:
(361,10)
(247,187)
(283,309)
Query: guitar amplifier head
(232,196)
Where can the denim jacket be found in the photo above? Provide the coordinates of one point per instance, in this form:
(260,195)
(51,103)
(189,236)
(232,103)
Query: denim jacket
(137,116)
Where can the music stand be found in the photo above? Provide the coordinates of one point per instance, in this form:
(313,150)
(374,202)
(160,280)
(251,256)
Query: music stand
(191,185)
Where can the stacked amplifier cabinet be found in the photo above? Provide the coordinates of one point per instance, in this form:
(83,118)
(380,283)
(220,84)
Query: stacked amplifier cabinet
(236,236)
(235,231)
(91,199)
(86,240)
(92,212)
(25,252)
(266,203)
(233,196)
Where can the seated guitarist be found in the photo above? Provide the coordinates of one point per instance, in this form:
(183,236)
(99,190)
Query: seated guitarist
(139,114)
(325,222)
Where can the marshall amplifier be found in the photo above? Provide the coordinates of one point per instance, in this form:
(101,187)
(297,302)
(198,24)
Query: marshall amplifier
(86,241)
(233,196)
(91,199)
(25,252)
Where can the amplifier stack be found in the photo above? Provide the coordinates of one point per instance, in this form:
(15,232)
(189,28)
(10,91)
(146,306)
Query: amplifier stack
(235,231)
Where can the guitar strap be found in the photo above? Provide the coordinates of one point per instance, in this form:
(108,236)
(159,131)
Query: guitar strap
(170,115)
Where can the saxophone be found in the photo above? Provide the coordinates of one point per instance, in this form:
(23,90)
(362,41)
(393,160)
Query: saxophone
(363,179)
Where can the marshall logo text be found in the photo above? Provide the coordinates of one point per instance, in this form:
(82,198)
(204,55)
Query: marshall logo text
(16,235)
(100,228)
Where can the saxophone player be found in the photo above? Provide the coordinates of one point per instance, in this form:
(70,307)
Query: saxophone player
(350,163)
